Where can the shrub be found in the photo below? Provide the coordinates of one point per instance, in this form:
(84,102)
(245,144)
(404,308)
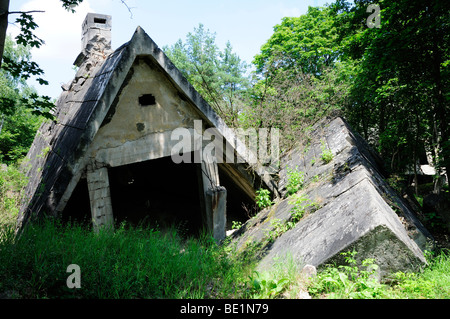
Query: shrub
(295,180)
(327,155)
(263,198)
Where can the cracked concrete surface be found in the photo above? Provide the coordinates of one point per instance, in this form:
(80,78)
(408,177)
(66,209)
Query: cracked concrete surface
(358,210)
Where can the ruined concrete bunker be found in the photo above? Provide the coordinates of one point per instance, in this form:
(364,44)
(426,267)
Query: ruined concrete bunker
(108,156)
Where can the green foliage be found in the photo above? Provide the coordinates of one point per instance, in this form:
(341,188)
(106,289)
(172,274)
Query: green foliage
(431,283)
(283,280)
(277,229)
(261,287)
(298,210)
(296,179)
(236,224)
(147,263)
(12,181)
(263,198)
(18,108)
(70,5)
(20,68)
(433,220)
(299,76)
(219,76)
(17,134)
(349,281)
(300,205)
(359,281)
(399,95)
(127,263)
(306,44)
(327,155)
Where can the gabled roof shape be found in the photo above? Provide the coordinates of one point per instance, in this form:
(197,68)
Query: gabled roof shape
(55,160)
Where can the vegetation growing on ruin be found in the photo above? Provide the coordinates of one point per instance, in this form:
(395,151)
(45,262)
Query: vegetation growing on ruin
(391,83)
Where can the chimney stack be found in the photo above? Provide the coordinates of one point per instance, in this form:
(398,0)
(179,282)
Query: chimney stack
(96,37)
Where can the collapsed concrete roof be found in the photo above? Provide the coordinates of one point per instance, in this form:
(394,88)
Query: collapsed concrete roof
(347,205)
(63,151)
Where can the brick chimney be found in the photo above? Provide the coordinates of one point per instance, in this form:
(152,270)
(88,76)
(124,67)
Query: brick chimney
(96,37)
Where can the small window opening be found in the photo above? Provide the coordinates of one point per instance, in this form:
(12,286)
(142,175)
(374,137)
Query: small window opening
(147,99)
(100,20)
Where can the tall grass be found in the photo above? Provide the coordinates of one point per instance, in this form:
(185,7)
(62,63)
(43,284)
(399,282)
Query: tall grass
(12,181)
(126,263)
(138,262)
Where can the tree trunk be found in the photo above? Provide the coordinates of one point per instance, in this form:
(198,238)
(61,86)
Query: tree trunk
(4,6)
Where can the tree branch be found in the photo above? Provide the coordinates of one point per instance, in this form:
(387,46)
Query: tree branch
(128,8)
(19,12)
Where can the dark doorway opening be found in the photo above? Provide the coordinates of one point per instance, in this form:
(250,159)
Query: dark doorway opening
(240,207)
(157,193)
(78,208)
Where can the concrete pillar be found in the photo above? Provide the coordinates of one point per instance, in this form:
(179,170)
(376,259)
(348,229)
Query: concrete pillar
(214,199)
(216,204)
(100,198)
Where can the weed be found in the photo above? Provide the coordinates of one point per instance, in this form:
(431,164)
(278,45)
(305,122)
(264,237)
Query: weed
(351,280)
(282,280)
(278,228)
(295,180)
(236,224)
(298,210)
(263,198)
(327,155)
(300,204)
(261,287)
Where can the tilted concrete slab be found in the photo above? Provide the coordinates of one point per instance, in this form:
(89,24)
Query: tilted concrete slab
(356,209)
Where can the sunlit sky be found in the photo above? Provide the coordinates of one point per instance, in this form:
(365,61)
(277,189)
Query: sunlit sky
(247,24)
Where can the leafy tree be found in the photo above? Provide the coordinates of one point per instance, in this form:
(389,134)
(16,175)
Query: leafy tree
(299,76)
(24,68)
(219,76)
(305,44)
(400,97)
(18,124)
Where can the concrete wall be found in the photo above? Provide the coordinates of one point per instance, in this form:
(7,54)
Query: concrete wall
(137,133)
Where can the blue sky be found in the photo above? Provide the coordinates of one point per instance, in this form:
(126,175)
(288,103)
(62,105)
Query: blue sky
(247,24)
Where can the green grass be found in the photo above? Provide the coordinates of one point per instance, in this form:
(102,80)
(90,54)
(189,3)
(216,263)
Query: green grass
(128,263)
(138,262)
(134,262)
(12,181)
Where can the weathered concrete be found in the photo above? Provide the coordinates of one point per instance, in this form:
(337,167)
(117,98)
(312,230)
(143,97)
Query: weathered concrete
(214,197)
(101,122)
(354,209)
(100,198)
(216,201)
